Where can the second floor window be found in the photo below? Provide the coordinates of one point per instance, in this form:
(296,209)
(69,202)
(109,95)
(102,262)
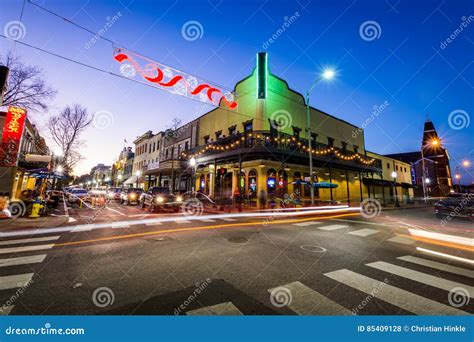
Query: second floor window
(218,134)
(356,149)
(248,126)
(206,139)
(233,130)
(186,145)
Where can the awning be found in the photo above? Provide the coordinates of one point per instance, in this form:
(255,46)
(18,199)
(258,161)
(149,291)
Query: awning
(325,185)
(133,180)
(45,173)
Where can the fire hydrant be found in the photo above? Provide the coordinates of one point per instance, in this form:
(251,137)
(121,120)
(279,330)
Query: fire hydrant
(36,209)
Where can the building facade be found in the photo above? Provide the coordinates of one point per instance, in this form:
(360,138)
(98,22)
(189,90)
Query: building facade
(258,153)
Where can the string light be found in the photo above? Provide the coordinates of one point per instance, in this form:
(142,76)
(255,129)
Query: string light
(299,144)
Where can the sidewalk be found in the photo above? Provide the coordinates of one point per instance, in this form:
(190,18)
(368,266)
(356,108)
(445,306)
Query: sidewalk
(27,223)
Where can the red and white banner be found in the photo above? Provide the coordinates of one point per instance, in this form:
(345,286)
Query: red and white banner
(11,136)
(163,77)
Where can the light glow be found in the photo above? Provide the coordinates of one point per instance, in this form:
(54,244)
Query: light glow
(328,74)
(442,237)
(444,255)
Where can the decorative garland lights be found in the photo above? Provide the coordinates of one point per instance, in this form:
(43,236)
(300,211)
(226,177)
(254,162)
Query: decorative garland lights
(214,146)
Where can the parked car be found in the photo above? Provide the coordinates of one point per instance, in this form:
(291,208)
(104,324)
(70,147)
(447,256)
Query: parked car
(78,194)
(159,198)
(130,196)
(455,205)
(114,193)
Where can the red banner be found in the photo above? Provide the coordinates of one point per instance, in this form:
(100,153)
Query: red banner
(11,136)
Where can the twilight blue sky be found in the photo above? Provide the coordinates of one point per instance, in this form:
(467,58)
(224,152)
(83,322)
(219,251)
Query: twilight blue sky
(405,65)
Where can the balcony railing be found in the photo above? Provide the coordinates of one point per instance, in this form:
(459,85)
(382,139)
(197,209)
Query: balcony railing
(271,140)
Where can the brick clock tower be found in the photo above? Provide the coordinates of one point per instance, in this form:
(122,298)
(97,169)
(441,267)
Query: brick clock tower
(437,169)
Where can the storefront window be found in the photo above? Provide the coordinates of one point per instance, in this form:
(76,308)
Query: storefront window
(252,184)
(271,182)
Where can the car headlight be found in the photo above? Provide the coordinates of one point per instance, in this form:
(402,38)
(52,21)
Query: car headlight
(133,196)
(160,199)
(179,199)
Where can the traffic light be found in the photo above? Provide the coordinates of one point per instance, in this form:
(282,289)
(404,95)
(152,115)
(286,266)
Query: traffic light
(222,171)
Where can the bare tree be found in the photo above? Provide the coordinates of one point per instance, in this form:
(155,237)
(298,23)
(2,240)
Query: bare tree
(66,129)
(26,87)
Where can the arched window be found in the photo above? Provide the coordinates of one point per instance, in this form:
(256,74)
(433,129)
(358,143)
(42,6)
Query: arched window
(282,185)
(252,183)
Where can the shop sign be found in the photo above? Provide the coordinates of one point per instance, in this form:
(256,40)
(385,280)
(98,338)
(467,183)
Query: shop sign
(11,136)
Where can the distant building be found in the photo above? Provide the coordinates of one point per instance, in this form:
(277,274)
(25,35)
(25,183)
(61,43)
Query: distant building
(101,175)
(434,158)
(123,167)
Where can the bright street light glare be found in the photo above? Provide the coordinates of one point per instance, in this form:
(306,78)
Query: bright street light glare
(466,163)
(328,74)
(192,161)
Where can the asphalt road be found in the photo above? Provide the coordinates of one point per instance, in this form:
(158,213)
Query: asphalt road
(123,260)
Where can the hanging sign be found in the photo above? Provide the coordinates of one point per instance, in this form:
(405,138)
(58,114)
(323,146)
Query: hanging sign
(172,80)
(11,136)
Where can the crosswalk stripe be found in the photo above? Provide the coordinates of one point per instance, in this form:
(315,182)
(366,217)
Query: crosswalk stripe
(83,228)
(25,248)
(207,220)
(40,239)
(221,309)
(420,277)
(14,281)
(120,225)
(306,301)
(308,223)
(438,265)
(228,219)
(333,227)
(153,223)
(182,221)
(402,240)
(364,232)
(5,309)
(403,299)
(32,259)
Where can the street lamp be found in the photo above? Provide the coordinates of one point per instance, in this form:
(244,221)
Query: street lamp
(193,163)
(432,143)
(465,164)
(327,74)
(394,176)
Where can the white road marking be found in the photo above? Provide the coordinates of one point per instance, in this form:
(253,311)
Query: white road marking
(83,228)
(16,242)
(222,309)
(153,223)
(420,277)
(228,219)
(71,220)
(308,223)
(118,212)
(120,224)
(333,227)
(207,220)
(14,281)
(305,301)
(401,239)
(33,259)
(438,265)
(5,310)
(364,232)
(403,299)
(359,222)
(25,248)
(444,255)
(182,221)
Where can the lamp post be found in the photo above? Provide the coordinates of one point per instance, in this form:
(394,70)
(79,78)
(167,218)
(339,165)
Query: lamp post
(394,176)
(465,164)
(193,163)
(327,75)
